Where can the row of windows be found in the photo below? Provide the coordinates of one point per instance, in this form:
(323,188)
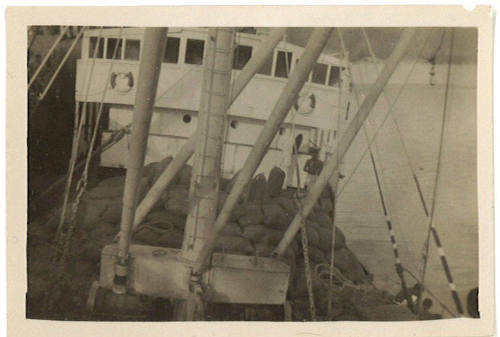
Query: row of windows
(194,55)
(114,48)
(132,51)
(318,74)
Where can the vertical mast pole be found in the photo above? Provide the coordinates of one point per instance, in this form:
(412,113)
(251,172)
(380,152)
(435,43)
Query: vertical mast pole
(149,72)
(215,97)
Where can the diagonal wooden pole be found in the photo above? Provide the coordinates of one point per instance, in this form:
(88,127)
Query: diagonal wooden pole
(348,137)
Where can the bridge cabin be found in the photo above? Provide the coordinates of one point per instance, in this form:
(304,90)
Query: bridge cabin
(322,108)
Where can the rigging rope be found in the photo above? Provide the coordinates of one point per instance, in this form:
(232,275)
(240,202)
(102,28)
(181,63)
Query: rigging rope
(370,142)
(432,228)
(298,195)
(376,150)
(333,192)
(76,141)
(398,129)
(388,114)
(47,56)
(379,181)
(82,183)
(399,267)
(56,73)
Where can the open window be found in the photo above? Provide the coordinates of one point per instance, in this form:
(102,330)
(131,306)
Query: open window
(172,51)
(114,48)
(334,78)
(95,44)
(283,64)
(132,49)
(319,73)
(241,56)
(194,51)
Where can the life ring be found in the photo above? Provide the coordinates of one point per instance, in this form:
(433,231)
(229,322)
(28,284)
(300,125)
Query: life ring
(122,82)
(305,104)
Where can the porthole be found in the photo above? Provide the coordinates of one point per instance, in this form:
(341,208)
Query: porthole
(186,118)
(234,124)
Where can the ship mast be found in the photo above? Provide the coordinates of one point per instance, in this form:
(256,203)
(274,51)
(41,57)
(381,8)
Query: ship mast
(215,97)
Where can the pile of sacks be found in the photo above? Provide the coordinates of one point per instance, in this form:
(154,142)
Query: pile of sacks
(256,226)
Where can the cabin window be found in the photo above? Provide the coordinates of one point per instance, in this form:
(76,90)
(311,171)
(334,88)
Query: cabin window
(194,51)
(248,30)
(234,124)
(283,64)
(267,66)
(112,45)
(186,118)
(132,49)
(172,51)
(241,56)
(319,73)
(334,78)
(100,48)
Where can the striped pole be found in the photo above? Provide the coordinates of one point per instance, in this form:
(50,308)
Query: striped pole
(432,228)
(399,267)
(446,267)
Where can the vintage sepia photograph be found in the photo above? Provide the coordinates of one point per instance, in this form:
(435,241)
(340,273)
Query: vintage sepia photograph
(278,173)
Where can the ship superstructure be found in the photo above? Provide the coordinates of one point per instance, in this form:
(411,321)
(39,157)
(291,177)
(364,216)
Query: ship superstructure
(321,110)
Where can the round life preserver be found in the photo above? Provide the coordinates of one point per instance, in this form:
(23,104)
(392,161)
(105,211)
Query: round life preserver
(305,104)
(122,82)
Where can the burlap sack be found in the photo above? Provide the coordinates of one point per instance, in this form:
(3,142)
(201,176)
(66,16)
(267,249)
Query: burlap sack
(288,204)
(113,211)
(233,245)
(312,236)
(171,239)
(238,211)
(92,210)
(258,189)
(153,170)
(253,215)
(163,216)
(177,202)
(325,238)
(104,192)
(322,219)
(316,255)
(349,265)
(147,236)
(275,217)
(275,182)
(233,229)
(254,233)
